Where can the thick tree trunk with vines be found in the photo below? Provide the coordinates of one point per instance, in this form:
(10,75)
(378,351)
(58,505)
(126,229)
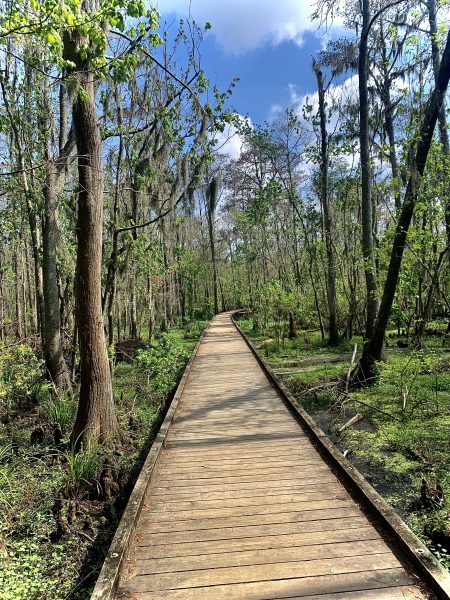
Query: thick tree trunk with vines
(96,417)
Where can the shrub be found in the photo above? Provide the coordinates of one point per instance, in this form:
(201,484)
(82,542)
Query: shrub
(194,329)
(164,362)
(20,375)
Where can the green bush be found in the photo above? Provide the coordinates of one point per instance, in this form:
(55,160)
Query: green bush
(20,376)
(164,362)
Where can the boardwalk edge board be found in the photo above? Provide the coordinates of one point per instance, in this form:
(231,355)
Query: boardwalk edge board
(108,578)
(413,549)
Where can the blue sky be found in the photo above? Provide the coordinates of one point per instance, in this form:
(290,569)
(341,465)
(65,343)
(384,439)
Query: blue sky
(267,44)
(267,74)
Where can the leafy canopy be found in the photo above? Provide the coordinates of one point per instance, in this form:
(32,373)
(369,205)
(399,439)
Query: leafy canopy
(51,20)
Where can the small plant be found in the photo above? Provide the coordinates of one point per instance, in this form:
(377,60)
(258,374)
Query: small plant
(194,329)
(441,554)
(84,468)
(60,410)
(5,474)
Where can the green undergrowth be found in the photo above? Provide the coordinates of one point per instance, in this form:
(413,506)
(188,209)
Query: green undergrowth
(405,434)
(59,508)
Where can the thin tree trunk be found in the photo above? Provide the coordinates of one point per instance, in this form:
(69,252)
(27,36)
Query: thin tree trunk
(52,344)
(18,307)
(366,194)
(333,333)
(34,230)
(211,203)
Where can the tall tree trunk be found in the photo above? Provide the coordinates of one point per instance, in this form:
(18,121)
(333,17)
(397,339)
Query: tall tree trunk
(211,204)
(333,333)
(52,344)
(95,415)
(18,304)
(366,370)
(385,93)
(366,175)
(109,297)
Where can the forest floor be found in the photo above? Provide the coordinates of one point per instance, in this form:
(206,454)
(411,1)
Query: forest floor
(58,509)
(403,436)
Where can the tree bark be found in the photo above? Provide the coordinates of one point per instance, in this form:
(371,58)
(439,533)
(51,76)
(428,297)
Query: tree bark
(442,119)
(211,204)
(52,344)
(96,417)
(55,362)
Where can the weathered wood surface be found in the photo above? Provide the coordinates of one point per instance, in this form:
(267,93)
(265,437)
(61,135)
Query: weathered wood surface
(242,506)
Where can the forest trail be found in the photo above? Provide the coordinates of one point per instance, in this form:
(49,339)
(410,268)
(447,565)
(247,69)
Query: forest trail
(242,506)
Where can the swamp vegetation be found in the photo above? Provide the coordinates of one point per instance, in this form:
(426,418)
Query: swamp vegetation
(125,225)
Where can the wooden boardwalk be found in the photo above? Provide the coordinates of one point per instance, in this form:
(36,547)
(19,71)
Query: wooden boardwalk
(242,506)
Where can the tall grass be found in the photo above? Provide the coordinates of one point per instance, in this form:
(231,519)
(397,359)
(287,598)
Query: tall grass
(60,410)
(84,467)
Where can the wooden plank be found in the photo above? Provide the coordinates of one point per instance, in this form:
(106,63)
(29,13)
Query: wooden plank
(260,483)
(311,569)
(233,453)
(180,457)
(228,470)
(277,525)
(396,593)
(146,566)
(313,587)
(400,592)
(244,476)
(232,466)
(149,526)
(170,504)
(211,516)
(268,442)
(263,542)
(246,491)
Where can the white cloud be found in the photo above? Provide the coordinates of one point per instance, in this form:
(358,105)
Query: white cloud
(336,95)
(230,141)
(243,25)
